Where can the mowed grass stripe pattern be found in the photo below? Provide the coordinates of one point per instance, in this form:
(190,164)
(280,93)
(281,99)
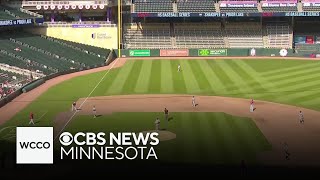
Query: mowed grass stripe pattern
(297,84)
(166,78)
(144,77)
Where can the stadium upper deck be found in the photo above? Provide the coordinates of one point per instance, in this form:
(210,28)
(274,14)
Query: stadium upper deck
(139,6)
(225,6)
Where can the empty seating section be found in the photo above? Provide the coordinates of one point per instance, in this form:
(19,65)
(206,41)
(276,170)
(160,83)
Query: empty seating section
(4,15)
(311,5)
(207,35)
(248,35)
(278,35)
(103,53)
(238,6)
(11,13)
(195,6)
(17,12)
(279,6)
(42,62)
(198,35)
(153,6)
(36,53)
(147,36)
(58,49)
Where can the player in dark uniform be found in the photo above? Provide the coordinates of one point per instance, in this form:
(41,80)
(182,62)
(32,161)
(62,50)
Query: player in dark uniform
(166,116)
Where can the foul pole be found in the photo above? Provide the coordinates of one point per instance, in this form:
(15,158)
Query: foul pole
(119,27)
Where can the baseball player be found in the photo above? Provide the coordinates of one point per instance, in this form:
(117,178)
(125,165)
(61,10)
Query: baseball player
(74,106)
(179,68)
(31,116)
(286,151)
(301,117)
(157,123)
(251,105)
(166,115)
(193,102)
(94,111)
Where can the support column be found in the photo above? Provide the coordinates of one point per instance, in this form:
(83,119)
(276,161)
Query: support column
(52,16)
(80,16)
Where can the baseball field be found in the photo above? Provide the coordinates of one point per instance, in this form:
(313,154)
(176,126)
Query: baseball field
(130,94)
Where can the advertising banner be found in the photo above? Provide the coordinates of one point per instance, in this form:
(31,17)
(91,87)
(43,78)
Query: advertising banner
(279,4)
(317,39)
(16,22)
(174,52)
(300,39)
(139,53)
(308,4)
(236,5)
(310,40)
(212,52)
(225,14)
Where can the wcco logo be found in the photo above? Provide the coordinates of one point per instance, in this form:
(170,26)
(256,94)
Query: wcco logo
(34,145)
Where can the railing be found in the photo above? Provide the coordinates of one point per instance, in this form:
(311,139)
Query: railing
(33,3)
(31,13)
(77,23)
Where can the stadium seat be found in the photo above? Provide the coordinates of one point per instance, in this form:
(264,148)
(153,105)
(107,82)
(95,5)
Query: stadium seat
(278,35)
(152,36)
(196,6)
(196,35)
(153,6)
(15,13)
(248,35)
(38,53)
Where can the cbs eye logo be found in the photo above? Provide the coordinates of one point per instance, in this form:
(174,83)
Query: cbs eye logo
(66,138)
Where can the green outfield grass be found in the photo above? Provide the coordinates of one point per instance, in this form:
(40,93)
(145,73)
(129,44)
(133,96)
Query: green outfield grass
(285,81)
(293,82)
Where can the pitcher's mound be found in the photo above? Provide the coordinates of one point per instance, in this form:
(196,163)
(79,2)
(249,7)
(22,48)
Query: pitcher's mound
(163,135)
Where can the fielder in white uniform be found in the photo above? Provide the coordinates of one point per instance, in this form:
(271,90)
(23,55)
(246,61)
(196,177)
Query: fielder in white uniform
(74,106)
(251,105)
(179,68)
(94,110)
(301,117)
(193,101)
(157,123)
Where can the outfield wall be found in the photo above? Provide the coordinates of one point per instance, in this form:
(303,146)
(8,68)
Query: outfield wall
(94,35)
(202,52)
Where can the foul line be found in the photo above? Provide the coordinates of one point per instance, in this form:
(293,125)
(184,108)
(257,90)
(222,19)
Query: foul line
(86,99)
(7,128)
(42,115)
